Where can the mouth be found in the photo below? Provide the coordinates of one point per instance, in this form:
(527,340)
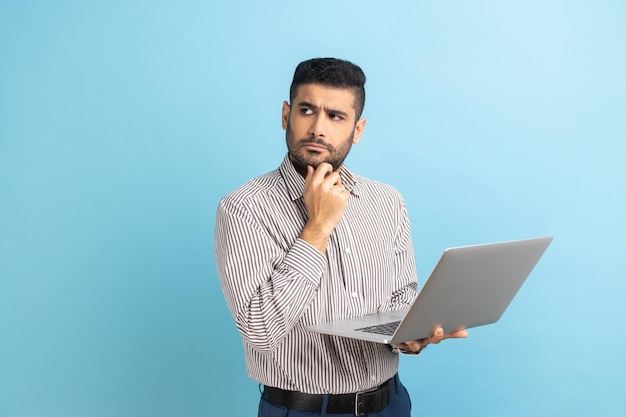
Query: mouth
(314,147)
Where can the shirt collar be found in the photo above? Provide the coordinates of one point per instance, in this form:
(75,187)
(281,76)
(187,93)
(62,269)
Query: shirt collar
(295,181)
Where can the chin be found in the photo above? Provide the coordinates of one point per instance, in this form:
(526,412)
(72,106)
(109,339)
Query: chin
(312,159)
(305,160)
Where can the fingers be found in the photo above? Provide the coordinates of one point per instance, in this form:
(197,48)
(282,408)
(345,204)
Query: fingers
(438,335)
(410,346)
(457,334)
(323,169)
(436,338)
(323,181)
(309,173)
(323,173)
(325,200)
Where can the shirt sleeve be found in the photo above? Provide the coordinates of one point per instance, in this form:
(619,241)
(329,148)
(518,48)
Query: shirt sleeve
(267,287)
(405,285)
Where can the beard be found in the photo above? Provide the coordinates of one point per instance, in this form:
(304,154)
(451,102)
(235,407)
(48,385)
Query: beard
(302,157)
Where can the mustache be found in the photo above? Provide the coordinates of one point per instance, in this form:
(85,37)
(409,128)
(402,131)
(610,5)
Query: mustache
(318,142)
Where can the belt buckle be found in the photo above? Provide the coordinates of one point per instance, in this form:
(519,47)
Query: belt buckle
(358,412)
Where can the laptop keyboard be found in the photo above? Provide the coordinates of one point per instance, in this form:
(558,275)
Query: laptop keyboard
(387,329)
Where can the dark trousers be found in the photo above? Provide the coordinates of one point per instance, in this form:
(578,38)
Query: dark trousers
(400,406)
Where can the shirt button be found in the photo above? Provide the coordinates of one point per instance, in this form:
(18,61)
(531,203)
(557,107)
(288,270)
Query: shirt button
(354,294)
(373,377)
(347,250)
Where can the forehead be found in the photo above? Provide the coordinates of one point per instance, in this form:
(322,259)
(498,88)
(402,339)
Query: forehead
(325,96)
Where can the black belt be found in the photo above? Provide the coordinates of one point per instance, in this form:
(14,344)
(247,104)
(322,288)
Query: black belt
(359,403)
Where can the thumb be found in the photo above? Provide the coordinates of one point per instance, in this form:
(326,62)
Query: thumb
(437,336)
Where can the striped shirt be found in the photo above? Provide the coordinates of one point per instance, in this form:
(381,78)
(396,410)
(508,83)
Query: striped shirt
(275,284)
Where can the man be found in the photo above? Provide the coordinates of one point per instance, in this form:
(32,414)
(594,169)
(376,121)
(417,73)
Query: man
(312,242)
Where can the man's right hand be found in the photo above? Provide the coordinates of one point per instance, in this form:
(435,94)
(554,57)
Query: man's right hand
(325,199)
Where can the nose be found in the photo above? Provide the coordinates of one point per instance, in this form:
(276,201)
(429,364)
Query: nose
(318,126)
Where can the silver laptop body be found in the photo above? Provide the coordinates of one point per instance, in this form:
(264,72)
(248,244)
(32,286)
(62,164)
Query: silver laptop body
(470,286)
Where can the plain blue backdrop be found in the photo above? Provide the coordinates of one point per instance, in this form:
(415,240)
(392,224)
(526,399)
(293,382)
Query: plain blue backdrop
(122,124)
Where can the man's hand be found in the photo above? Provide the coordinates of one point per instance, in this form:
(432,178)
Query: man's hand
(437,337)
(325,199)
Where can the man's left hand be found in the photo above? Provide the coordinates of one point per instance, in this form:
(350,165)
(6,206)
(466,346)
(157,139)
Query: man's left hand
(438,335)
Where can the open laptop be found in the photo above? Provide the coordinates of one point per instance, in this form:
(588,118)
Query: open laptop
(470,286)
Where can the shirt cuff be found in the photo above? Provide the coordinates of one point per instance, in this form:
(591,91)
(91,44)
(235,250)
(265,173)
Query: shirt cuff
(307,260)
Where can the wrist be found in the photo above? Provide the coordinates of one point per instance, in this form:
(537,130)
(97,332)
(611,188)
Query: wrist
(315,236)
(396,349)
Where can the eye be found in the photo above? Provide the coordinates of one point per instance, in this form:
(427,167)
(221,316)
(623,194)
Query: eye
(306,110)
(335,116)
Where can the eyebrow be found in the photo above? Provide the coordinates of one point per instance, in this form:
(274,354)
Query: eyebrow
(313,106)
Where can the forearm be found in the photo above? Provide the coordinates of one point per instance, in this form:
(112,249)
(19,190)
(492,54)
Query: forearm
(267,286)
(405,283)
(267,314)
(405,273)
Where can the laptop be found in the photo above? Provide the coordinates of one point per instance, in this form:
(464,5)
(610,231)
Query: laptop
(470,286)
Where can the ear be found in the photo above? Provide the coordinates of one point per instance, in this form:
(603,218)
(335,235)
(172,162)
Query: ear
(358,130)
(286,111)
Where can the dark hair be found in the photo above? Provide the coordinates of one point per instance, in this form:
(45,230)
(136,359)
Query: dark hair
(331,72)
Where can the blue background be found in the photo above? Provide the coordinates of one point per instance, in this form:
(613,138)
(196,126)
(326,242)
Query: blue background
(124,122)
